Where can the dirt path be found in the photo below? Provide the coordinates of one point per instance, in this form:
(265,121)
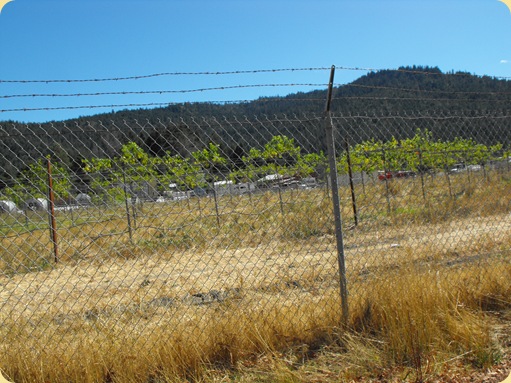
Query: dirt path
(75,289)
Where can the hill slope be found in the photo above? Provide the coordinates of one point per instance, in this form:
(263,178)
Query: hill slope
(190,126)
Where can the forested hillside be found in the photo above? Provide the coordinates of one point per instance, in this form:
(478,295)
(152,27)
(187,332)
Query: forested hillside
(182,129)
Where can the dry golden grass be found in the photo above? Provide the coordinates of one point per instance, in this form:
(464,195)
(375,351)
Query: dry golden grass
(424,279)
(425,325)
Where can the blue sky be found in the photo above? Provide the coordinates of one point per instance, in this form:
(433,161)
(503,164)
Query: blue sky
(91,39)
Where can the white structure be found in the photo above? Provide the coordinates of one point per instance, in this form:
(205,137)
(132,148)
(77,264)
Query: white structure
(223,187)
(83,199)
(243,188)
(174,193)
(270,178)
(7,206)
(308,183)
(36,204)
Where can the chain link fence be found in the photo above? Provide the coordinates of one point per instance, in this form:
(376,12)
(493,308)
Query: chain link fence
(146,235)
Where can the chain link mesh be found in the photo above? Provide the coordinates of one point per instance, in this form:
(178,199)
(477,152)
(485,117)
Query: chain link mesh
(162,231)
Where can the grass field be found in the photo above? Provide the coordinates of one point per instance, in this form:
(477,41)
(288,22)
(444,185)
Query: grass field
(246,289)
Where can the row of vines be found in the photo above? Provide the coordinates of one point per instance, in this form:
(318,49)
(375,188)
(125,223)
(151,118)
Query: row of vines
(105,178)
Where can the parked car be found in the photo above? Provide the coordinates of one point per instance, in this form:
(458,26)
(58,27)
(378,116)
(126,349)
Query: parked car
(457,168)
(395,174)
(474,168)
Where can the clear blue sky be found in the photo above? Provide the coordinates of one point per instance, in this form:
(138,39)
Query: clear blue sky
(87,39)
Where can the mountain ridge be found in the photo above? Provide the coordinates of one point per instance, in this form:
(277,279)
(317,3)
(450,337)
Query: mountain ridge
(184,128)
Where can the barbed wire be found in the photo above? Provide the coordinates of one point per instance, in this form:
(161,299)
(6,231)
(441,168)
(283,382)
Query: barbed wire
(149,104)
(87,107)
(231,87)
(241,72)
(233,102)
(163,74)
(159,91)
(127,269)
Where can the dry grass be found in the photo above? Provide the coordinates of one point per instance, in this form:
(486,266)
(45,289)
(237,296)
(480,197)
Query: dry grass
(255,298)
(421,328)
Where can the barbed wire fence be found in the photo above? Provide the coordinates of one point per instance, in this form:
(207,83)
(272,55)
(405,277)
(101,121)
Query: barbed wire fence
(125,228)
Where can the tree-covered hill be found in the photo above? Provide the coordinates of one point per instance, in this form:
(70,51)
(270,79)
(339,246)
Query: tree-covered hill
(184,128)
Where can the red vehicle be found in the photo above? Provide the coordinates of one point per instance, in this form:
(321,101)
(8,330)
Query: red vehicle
(382,176)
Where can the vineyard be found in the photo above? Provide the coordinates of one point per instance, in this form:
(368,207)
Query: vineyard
(134,171)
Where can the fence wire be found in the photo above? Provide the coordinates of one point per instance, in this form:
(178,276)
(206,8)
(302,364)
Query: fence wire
(161,229)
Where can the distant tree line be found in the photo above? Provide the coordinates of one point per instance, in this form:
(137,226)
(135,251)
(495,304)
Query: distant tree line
(181,130)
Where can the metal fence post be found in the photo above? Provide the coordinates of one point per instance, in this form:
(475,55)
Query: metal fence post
(386,173)
(336,201)
(215,196)
(127,203)
(281,203)
(422,170)
(51,211)
(352,184)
